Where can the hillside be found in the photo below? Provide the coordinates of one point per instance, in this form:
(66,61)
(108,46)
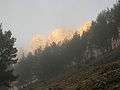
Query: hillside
(92,76)
(90,60)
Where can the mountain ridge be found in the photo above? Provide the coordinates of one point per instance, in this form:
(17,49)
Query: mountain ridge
(57,35)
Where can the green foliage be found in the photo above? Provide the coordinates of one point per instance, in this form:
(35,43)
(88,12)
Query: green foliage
(7,58)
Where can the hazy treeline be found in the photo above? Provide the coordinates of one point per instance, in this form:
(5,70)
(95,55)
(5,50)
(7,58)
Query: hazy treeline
(46,63)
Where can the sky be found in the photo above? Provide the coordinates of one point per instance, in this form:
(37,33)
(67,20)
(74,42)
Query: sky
(27,18)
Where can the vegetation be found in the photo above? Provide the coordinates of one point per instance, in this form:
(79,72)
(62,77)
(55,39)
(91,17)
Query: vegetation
(55,59)
(7,58)
(107,77)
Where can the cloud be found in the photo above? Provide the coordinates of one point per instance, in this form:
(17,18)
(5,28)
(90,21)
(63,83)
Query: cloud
(56,36)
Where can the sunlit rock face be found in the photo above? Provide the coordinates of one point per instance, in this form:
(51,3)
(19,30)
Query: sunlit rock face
(86,27)
(56,36)
(59,35)
(36,42)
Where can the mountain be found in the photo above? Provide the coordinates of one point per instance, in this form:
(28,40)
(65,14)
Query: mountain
(56,36)
(36,42)
(59,35)
(86,27)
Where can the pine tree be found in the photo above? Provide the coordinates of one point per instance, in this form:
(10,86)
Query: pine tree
(7,58)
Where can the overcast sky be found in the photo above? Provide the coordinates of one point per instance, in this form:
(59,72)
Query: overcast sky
(26,18)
